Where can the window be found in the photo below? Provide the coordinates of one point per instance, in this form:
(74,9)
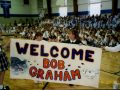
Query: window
(63,8)
(95,9)
(63,11)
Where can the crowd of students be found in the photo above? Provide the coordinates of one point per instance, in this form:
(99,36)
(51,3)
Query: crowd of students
(96,22)
(93,31)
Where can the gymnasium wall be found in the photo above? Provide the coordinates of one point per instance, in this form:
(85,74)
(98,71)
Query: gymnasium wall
(70,7)
(83,6)
(59,3)
(119,6)
(55,7)
(106,6)
(19,10)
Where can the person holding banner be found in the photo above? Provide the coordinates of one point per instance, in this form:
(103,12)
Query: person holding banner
(73,39)
(38,37)
(3,67)
(113,49)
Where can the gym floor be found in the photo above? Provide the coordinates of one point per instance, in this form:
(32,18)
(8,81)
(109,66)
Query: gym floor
(110,72)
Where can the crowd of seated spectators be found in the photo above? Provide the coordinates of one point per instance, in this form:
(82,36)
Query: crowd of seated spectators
(96,31)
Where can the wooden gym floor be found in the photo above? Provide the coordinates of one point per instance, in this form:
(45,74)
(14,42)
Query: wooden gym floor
(110,71)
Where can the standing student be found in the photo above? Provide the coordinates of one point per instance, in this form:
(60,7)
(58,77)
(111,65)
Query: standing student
(73,39)
(3,68)
(38,37)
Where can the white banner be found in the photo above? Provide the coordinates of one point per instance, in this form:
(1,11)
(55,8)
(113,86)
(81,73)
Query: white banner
(55,62)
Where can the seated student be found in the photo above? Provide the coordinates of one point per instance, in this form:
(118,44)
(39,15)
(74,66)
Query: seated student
(3,68)
(1,28)
(112,41)
(84,41)
(89,40)
(46,35)
(52,38)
